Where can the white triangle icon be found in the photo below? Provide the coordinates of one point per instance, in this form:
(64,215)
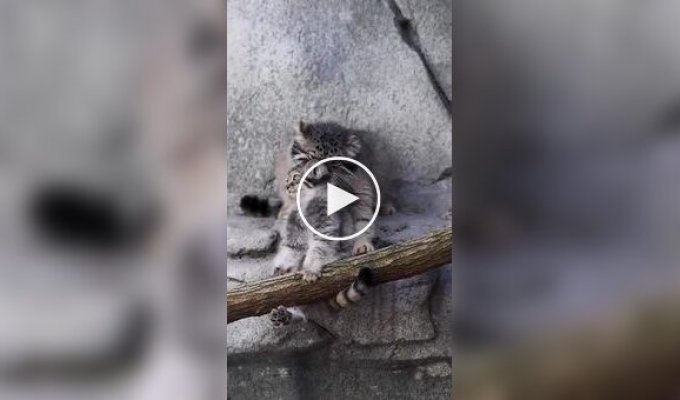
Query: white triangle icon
(337,199)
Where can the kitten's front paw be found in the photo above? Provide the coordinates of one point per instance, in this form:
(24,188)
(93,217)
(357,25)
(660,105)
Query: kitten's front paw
(310,276)
(280,316)
(362,246)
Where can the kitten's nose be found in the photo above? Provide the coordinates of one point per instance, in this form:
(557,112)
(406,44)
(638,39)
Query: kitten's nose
(76,215)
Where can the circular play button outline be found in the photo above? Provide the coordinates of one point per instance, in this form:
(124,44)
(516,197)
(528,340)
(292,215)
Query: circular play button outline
(375,184)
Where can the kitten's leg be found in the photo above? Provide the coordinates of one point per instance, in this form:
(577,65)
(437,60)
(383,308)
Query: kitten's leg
(321,251)
(364,243)
(362,212)
(281,315)
(292,247)
(287,259)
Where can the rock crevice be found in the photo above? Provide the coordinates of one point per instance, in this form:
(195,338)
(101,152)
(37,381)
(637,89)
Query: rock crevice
(409,35)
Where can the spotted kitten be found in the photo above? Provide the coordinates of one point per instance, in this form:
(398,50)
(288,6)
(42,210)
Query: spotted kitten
(301,250)
(313,142)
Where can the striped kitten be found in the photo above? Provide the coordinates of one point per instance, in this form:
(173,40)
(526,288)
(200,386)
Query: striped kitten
(300,250)
(314,142)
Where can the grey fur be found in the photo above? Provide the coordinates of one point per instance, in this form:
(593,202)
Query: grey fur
(301,250)
(313,142)
(317,141)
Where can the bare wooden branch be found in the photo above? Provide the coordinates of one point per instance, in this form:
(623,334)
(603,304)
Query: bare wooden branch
(392,263)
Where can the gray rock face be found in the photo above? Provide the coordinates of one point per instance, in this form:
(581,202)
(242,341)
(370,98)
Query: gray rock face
(253,239)
(319,378)
(257,335)
(335,60)
(349,62)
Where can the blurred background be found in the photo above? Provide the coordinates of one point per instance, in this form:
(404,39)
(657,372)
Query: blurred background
(566,202)
(566,122)
(112,199)
(383,69)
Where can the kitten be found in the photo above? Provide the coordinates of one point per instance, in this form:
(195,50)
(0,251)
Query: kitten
(301,250)
(312,143)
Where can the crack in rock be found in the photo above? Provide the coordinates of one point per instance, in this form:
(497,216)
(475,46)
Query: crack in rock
(409,34)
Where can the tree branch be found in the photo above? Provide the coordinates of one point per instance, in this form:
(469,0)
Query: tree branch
(392,263)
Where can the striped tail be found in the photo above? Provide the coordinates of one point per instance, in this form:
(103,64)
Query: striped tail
(355,292)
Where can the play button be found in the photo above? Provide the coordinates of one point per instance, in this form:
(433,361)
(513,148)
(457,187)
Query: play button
(337,199)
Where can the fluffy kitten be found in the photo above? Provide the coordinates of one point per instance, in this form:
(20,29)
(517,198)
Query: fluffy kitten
(301,250)
(312,143)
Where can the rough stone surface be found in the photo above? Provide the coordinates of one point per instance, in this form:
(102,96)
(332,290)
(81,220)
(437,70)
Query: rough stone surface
(395,342)
(397,311)
(433,20)
(343,61)
(333,60)
(255,239)
(317,378)
(258,335)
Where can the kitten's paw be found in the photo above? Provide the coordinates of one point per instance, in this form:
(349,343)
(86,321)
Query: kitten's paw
(310,276)
(362,246)
(280,316)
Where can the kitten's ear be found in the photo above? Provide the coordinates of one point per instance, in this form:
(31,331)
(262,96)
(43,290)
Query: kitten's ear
(302,130)
(353,145)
